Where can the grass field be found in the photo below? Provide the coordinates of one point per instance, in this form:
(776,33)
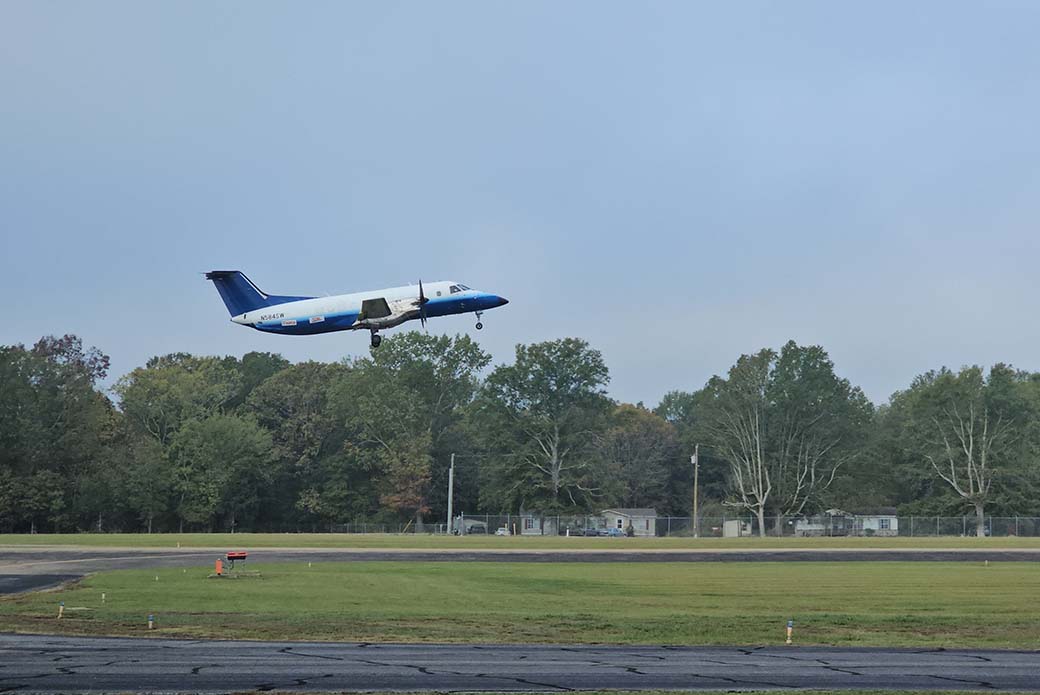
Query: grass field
(960,604)
(430,542)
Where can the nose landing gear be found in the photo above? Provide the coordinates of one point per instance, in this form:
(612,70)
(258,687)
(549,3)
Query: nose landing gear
(479,324)
(377,339)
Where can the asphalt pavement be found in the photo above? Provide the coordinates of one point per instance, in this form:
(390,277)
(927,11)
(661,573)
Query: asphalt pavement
(74,665)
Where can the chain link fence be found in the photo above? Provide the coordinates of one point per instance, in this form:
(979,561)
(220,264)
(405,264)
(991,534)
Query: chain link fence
(708,527)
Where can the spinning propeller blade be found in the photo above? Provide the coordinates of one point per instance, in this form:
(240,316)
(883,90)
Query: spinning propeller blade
(422,305)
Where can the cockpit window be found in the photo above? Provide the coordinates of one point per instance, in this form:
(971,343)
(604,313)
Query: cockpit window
(455,289)
(463,287)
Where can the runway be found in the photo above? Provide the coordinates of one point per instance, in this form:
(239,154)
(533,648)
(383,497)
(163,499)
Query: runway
(64,664)
(25,568)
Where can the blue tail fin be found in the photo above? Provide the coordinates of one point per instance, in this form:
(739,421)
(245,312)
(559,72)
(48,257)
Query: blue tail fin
(241,295)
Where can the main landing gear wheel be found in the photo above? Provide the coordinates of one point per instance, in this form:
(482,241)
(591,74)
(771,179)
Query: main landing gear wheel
(377,339)
(479,325)
(479,314)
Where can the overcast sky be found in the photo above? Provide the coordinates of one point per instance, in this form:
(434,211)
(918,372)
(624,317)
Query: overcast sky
(676,182)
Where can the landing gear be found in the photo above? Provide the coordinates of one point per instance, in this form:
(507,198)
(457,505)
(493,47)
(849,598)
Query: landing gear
(479,314)
(377,340)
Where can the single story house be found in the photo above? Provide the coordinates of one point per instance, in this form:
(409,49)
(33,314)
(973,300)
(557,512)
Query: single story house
(535,524)
(882,522)
(642,521)
(835,522)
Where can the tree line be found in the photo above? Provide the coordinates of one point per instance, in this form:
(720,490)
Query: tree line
(190,442)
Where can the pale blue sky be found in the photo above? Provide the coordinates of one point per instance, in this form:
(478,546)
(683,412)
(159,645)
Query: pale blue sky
(676,182)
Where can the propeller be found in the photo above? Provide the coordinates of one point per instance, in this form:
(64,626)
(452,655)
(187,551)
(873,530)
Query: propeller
(422,305)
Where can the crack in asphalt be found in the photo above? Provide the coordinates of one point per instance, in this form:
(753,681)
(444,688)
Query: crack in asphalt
(290,652)
(426,671)
(524,681)
(737,681)
(195,671)
(984,684)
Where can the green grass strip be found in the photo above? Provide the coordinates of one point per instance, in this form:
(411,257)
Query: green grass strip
(962,604)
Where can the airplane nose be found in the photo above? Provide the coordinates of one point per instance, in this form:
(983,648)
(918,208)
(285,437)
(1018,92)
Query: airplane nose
(499,301)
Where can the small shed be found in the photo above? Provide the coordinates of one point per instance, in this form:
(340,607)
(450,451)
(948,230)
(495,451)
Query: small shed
(735,528)
(642,521)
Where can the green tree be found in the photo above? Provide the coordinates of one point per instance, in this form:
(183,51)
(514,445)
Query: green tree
(221,464)
(406,404)
(682,410)
(640,450)
(174,389)
(785,423)
(973,431)
(149,478)
(541,418)
(315,478)
(253,369)
(53,423)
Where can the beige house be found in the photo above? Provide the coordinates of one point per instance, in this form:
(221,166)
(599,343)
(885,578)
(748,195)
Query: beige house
(642,521)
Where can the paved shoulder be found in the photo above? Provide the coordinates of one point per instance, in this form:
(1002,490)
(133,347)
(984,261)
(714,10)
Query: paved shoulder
(61,664)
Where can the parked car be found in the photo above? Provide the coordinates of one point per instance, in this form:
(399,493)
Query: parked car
(502,531)
(616,533)
(595,532)
(476,528)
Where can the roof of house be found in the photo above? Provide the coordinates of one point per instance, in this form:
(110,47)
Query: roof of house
(631,512)
(878,511)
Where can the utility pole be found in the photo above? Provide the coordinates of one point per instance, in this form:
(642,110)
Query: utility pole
(695,460)
(451,489)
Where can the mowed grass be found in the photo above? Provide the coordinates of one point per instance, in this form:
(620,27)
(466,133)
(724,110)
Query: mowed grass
(963,604)
(430,542)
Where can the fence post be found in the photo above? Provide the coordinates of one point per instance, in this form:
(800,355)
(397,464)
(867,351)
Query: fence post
(669,531)
(936,526)
(1016,525)
(964,526)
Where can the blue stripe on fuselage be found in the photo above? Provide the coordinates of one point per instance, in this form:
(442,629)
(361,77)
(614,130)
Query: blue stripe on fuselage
(332,322)
(462,303)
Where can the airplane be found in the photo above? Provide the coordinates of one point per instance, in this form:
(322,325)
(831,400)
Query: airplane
(372,311)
